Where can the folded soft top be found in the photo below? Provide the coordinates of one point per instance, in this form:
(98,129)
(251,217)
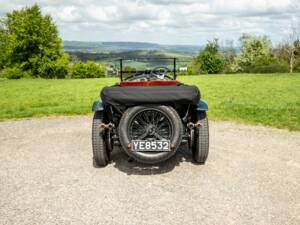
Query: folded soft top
(135,95)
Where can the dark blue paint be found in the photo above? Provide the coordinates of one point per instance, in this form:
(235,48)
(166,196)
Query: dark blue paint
(202,105)
(98,106)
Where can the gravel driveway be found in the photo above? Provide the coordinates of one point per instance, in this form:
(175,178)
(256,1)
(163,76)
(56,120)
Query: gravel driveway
(252,176)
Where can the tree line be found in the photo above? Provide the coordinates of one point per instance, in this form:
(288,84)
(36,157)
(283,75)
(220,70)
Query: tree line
(30,46)
(255,55)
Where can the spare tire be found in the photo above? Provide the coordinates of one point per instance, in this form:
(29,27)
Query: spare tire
(150,123)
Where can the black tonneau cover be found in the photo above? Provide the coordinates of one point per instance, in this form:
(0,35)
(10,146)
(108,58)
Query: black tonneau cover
(131,95)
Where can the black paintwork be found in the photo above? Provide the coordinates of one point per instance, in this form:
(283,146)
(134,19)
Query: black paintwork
(186,108)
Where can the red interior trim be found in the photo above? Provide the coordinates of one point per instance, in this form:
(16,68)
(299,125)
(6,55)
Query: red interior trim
(150,83)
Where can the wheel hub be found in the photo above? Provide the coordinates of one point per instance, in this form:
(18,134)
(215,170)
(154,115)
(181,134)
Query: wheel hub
(151,129)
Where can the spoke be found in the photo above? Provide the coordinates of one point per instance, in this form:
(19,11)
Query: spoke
(142,136)
(136,123)
(148,115)
(153,116)
(137,127)
(137,133)
(161,118)
(158,136)
(145,117)
(141,120)
(140,126)
(161,125)
(165,135)
(156,119)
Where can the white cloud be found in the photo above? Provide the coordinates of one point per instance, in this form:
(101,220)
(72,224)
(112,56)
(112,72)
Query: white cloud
(166,21)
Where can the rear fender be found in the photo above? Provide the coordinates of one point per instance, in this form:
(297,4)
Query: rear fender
(202,106)
(97,106)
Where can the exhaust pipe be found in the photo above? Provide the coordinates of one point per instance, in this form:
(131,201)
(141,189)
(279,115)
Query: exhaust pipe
(107,126)
(191,125)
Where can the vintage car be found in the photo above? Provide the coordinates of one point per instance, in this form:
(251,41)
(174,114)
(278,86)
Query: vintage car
(150,115)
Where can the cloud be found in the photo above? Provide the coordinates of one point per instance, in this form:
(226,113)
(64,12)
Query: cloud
(166,21)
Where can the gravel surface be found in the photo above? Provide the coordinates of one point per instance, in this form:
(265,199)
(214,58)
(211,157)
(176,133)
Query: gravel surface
(252,176)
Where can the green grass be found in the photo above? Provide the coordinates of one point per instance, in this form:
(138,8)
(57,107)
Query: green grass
(272,99)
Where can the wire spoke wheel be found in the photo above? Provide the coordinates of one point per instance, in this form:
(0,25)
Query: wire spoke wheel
(150,124)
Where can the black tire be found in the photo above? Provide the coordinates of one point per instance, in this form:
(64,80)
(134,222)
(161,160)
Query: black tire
(201,139)
(100,155)
(151,157)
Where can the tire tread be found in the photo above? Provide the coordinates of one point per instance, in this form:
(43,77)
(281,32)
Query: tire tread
(201,146)
(100,158)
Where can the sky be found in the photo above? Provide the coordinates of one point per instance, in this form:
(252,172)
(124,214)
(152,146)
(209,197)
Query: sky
(165,21)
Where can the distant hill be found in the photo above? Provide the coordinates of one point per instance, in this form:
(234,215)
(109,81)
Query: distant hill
(135,58)
(115,47)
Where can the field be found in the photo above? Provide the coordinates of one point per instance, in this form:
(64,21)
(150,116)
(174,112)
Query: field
(139,59)
(272,99)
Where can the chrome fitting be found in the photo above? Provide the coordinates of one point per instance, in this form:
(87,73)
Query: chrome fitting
(107,126)
(191,125)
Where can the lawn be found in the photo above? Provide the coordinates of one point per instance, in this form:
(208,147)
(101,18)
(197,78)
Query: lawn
(272,99)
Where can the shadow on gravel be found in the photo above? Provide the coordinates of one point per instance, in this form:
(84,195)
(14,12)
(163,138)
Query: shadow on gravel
(122,163)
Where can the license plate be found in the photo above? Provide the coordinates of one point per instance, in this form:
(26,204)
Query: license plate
(150,146)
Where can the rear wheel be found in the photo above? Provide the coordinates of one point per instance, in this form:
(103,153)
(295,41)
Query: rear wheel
(150,123)
(200,146)
(100,152)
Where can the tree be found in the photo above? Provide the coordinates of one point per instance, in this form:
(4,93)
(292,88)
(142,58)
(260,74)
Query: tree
(210,60)
(89,69)
(256,51)
(28,39)
(229,53)
(289,50)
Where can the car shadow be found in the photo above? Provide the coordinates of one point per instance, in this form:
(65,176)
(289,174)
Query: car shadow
(122,162)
